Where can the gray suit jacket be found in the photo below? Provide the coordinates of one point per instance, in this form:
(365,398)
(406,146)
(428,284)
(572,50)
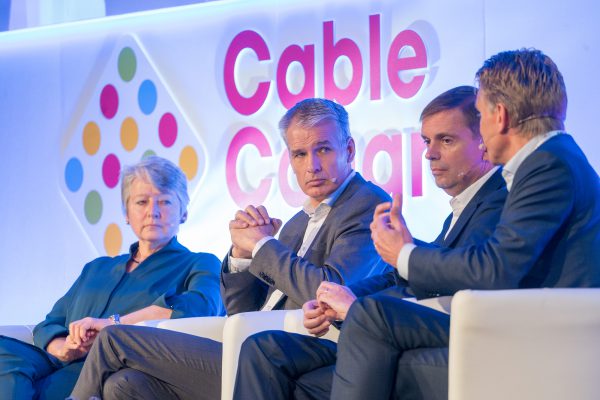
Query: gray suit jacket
(341,252)
(475,224)
(548,234)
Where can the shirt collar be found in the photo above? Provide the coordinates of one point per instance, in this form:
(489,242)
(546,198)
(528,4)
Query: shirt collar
(511,167)
(329,201)
(461,200)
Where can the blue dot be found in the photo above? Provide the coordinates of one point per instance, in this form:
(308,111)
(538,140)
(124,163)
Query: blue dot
(74,174)
(147,97)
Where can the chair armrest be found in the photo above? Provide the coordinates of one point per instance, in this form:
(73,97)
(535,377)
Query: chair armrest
(20,332)
(208,327)
(293,319)
(441,304)
(525,344)
(237,328)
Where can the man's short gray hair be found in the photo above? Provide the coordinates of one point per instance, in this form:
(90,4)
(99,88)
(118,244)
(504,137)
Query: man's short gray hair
(311,112)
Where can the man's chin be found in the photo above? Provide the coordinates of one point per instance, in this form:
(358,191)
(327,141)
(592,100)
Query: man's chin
(318,194)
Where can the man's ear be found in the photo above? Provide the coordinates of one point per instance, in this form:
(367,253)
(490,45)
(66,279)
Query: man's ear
(183,218)
(351,148)
(502,117)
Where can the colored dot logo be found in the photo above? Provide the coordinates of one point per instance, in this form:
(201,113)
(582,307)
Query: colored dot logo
(131,115)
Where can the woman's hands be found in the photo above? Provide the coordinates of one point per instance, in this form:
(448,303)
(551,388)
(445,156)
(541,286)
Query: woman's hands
(66,350)
(84,331)
(81,337)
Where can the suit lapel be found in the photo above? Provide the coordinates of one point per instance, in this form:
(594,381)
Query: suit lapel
(490,186)
(439,241)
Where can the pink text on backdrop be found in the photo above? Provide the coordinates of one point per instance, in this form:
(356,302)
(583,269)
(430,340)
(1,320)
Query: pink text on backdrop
(390,144)
(397,61)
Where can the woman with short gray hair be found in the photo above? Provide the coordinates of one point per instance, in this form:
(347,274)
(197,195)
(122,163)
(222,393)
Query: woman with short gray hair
(159,278)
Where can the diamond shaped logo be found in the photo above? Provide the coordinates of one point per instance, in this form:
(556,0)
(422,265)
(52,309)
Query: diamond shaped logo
(130,114)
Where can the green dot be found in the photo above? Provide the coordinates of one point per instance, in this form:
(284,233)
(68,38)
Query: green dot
(93,207)
(127,64)
(148,153)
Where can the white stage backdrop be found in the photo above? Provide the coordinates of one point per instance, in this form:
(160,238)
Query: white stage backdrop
(205,86)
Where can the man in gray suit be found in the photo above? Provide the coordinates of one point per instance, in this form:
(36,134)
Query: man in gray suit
(281,365)
(328,240)
(548,234)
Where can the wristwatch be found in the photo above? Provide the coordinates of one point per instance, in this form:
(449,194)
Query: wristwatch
(116,319)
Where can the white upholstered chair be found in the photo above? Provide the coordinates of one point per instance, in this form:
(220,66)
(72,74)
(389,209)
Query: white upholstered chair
(525,344)
(509,344)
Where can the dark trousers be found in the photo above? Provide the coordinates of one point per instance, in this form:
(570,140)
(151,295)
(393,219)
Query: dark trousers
(391,348)
(279,365)
(28,372)
(134,362)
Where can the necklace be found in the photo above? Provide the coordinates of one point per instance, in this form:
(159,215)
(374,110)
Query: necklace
(133,259)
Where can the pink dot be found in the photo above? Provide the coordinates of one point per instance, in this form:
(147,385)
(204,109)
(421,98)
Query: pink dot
(167,129)
(110,170)
(109,101)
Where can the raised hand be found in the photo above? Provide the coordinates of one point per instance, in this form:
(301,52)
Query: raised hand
(248,227)
(389,231)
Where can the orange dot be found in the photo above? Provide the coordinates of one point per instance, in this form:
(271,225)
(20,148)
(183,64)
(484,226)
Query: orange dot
(188,162)
(129,134)
(113,240)
(91,138)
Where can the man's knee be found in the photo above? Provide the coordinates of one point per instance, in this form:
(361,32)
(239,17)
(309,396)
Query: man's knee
(123,384)
(254,346)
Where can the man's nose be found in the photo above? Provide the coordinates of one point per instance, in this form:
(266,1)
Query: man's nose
(314,163)
(432,153)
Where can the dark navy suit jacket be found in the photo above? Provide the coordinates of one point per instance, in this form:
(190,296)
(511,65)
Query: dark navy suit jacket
(475,224)
(548,234)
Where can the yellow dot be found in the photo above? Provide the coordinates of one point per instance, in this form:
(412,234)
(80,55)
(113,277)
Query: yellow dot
(188,162)
(113,239)
(91,138)
(129,134)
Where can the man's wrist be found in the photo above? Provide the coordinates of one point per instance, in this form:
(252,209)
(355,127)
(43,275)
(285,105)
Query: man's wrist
(402,261)
(260,244)
(237,252)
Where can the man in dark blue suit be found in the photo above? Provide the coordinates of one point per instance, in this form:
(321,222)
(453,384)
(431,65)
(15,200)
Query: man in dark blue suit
(548,234)
(281,365)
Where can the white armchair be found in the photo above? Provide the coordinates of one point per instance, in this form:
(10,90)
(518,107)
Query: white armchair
(525,344)
(21,332)
(231,331)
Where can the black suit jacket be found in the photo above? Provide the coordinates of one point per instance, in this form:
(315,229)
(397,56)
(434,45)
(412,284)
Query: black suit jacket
(475,224)
(341,252)
(548,234)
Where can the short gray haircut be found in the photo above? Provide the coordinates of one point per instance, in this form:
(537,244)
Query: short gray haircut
(311,112)
(161,173)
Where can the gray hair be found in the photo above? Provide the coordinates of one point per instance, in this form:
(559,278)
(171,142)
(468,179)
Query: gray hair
(161,173)
(311,112)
